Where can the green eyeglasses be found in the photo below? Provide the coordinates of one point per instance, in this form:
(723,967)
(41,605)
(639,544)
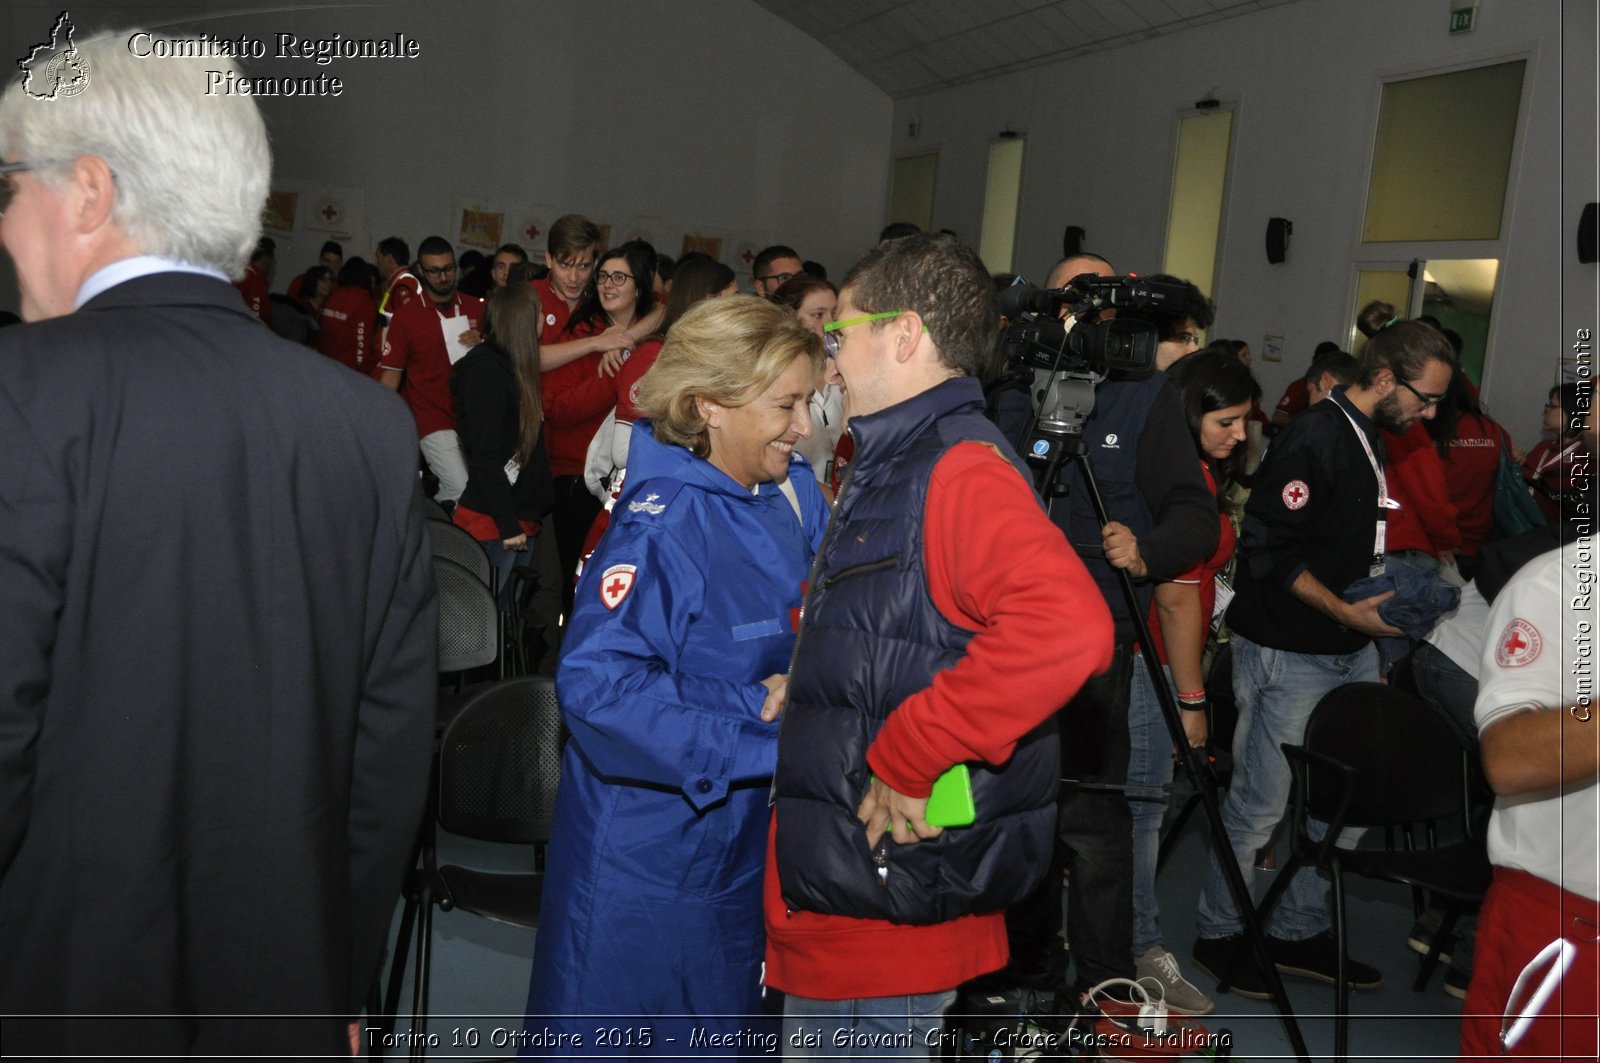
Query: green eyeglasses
(830,330)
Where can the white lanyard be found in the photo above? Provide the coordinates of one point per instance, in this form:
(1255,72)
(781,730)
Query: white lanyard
(1379,535)
(1559,955)
(1553,459)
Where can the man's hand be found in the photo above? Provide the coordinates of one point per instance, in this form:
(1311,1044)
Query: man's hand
(470,338)
(611,362)
(516,542)
(905,818)
(1363,616)
(777,689)
(1122,548)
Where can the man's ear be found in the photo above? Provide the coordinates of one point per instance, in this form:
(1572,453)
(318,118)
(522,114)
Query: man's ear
(907,330)
(93,191)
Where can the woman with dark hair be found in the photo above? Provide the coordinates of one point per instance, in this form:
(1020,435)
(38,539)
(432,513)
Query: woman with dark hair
(1217,390)
(1375,317)
(1470,443)
(1548,468)
(816,302)
(671,681)
(622,292)
(349,332)
(693,282)
(500,419)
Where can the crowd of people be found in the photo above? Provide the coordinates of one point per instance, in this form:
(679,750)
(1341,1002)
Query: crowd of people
(847,688)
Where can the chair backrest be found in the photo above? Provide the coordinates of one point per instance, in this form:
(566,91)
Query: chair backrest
(469,618)
(500,761)
(434,511)
(457,544)
(1410,761)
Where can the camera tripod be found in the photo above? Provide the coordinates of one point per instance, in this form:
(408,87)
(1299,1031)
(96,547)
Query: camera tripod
(1053,442)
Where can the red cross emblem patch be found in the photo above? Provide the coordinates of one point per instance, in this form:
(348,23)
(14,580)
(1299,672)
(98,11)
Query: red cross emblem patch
(633,395)
(1296,494)
(615,583)
(1520,644)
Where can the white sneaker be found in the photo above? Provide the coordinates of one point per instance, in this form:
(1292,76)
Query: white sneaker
(1159,965)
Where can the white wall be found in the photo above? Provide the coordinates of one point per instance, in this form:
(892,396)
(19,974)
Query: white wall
(1304,78)
(711,115)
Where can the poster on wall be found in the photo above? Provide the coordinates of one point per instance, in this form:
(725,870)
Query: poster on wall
(336,212)
(478,227)
(278,216)
(531,231)
(1272,348)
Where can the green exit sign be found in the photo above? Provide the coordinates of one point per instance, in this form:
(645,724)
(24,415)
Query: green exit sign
(1461,19)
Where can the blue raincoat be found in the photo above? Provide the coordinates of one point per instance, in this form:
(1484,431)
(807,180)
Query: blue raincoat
(652,901)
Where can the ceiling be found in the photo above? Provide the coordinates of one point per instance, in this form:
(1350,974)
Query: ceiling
(908,47)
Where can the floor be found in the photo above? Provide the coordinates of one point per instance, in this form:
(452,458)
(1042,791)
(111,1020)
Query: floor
(480,975)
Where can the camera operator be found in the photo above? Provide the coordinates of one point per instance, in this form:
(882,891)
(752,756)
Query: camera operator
(1162,522)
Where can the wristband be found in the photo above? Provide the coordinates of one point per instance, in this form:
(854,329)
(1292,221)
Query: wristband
(1194,706)
(1192,695)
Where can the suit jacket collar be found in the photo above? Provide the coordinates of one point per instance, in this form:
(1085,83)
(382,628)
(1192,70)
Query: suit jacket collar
(174,289)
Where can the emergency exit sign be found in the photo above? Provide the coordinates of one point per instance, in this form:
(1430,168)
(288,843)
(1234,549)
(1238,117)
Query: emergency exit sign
(1461,19)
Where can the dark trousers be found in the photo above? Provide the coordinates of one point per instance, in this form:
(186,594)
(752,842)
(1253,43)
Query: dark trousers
(1094,842)
(574,513)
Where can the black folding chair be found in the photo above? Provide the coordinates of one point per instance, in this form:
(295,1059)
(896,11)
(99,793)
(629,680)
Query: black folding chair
(1374,756)
(498,767)
(469,623)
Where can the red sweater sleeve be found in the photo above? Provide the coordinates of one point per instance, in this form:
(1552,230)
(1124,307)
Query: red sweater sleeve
(998,567)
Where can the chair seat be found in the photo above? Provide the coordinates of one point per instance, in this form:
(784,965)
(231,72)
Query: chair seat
(1458,871)
(512,899)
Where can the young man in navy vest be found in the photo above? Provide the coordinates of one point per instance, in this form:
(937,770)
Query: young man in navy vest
(947,619)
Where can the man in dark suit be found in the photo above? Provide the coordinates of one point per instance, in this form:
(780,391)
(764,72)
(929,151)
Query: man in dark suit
(217,627)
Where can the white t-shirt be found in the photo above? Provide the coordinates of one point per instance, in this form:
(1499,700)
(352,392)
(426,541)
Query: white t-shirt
(1539,655)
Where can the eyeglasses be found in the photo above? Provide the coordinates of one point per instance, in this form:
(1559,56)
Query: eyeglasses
(615,279)
(776,280)
(1428,401)
(1188,339)
(438,271)
(831,329)
(8,187)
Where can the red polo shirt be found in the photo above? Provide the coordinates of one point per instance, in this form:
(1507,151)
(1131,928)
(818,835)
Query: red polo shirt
(415,346)
(349,331)
(556,313)
(253,286)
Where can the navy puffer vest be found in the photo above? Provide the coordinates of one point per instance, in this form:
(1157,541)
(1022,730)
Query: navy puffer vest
(871,636)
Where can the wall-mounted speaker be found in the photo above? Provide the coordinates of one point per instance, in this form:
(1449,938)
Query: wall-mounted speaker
(1586,234)
(1278,230)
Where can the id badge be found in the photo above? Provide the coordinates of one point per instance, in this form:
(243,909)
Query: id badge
(513,470)
(1375,568)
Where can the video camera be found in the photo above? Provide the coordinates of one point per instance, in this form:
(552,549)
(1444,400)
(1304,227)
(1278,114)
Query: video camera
(1039,338)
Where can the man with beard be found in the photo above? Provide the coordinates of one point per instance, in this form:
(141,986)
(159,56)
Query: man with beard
(1313,526)
(424,339)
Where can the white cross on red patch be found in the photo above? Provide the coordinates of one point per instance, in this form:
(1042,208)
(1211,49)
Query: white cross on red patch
(615,583)
(1296,493)
(1520,644)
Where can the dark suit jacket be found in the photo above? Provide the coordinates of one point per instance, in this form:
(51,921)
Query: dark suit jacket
(217,675)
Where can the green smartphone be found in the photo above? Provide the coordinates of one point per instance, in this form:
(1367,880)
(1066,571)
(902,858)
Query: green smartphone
(950,803)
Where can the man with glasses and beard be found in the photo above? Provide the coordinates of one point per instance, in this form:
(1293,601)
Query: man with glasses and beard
(424,339)
(1313,526)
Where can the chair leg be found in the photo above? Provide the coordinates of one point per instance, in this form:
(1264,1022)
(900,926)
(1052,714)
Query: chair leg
(1341,1013)
(419,988)
(402,946)
(1447,928)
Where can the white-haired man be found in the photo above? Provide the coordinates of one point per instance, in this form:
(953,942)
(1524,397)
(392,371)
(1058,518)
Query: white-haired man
(218,632)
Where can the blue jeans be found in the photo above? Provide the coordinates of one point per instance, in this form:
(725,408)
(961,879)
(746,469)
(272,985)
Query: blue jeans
(871,1028)
(1390,650)
(1445,685)
(1149,765)
(1276,691)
